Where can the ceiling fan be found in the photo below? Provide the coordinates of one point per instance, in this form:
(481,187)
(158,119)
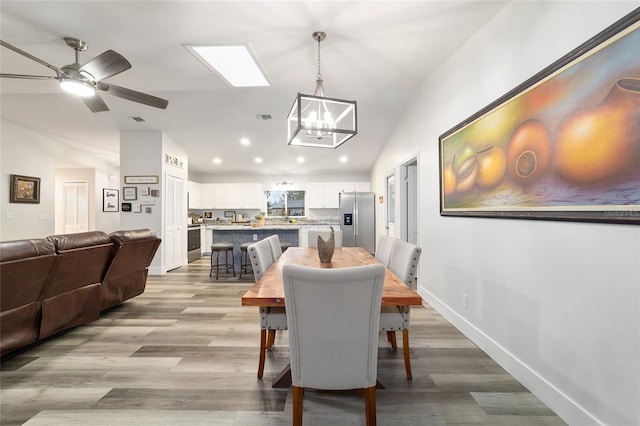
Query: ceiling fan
(84,80)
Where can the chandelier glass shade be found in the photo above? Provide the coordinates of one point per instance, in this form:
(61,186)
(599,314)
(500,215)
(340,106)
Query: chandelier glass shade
(319,121)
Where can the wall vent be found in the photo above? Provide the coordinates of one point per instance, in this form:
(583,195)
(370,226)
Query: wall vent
(263,116)
(137,119)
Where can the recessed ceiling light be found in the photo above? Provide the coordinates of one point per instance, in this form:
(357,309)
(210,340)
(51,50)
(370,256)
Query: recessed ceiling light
(235,64)
(245,141)
(300,159)
(217,161)
(343,159)
(258,160)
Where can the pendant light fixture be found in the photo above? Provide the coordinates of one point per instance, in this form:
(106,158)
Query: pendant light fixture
(319,121)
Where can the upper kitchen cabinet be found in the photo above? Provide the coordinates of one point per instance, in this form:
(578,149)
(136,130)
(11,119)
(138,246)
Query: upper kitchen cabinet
(208,195)
(326,195)
(331,195)
(253,196)
(355,187)
(231,196)
(195,195)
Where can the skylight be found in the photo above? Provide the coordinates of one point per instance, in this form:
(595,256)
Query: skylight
(235,64)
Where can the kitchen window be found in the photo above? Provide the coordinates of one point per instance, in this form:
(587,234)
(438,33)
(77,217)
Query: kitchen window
(285,203)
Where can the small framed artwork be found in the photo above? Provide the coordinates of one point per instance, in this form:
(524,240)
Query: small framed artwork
(110,200)
(144,190)
(24,189)
(129,193)
(126,207)
(136,180)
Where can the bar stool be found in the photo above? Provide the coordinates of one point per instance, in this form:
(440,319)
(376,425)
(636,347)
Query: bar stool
(284,245)
(245,260)
(218,249)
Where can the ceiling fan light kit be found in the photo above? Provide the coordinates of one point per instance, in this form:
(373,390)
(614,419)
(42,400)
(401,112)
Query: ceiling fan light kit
(77,87)
(319,121)
(84,80)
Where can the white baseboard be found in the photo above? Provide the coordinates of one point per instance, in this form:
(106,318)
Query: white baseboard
(560,403)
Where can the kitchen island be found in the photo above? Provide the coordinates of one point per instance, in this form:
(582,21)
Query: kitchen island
(238,234)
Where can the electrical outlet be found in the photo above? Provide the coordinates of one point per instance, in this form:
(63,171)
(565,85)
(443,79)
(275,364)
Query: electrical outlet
(255,237)
(465,300)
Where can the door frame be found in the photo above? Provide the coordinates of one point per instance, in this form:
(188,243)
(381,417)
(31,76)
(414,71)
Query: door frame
(407,189)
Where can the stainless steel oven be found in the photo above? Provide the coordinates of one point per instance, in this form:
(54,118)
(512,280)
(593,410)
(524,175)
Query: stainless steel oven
(193,243)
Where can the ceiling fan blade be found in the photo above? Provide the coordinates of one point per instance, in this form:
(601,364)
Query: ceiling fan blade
(132,95)
(106,65)
(33,58)
(95,103)
(30,77)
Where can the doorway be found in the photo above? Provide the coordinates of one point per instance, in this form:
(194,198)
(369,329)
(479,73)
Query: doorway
(409,201)
(76,207)
(176,211)
(390,225)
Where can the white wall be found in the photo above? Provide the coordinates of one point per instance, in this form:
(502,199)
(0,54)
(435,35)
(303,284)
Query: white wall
(26,152)
(556,303)
(142,154)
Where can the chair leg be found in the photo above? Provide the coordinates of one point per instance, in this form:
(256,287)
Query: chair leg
(217,264)
(263,349)
(370,405)
(271,339)
(405,349)
(298,394)
(391,337)
(233,263)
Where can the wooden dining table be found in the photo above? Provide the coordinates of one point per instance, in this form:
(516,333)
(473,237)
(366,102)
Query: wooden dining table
(269,290)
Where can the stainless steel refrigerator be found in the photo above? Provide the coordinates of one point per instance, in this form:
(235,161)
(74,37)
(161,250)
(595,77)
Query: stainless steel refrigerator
(357,220)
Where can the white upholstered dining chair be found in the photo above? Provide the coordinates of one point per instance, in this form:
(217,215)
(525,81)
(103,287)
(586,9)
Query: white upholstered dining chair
(333,317)
(276,248)
(404,263)
(313,237)
(383,249)
(271,318)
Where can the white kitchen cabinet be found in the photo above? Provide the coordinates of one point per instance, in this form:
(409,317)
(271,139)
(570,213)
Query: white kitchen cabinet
(326,195)
(208,196)
(195,195)
(204,248)
(322,196)
(208,241)
(234,196)
(314,196)
(220,196)
(331,195)
(252,196)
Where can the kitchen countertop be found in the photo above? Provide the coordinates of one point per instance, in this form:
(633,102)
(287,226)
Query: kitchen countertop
(283,226)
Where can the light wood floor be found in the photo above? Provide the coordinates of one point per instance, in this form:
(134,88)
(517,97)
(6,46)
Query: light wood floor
(186,353)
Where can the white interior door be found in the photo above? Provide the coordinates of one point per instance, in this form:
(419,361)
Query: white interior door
(411,202)
(174,222)
(76,207)
(391,206)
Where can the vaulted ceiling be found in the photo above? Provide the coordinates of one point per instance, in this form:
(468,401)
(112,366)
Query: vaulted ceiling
(375,52)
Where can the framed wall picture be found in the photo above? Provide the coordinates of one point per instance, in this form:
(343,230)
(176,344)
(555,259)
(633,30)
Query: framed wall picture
(126,207)
(110,200)
(136,180)
(563,145)
(24,189)
(129,193)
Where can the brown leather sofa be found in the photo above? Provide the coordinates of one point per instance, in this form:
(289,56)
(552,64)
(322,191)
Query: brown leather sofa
(53,284)
(24,268)
(73,294)
(126,276)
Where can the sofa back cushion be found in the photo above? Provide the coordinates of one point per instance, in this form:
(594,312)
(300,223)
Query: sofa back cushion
(25,266)
(126,275)
(73,295)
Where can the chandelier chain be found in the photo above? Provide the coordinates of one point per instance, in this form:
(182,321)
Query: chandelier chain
(319,73)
